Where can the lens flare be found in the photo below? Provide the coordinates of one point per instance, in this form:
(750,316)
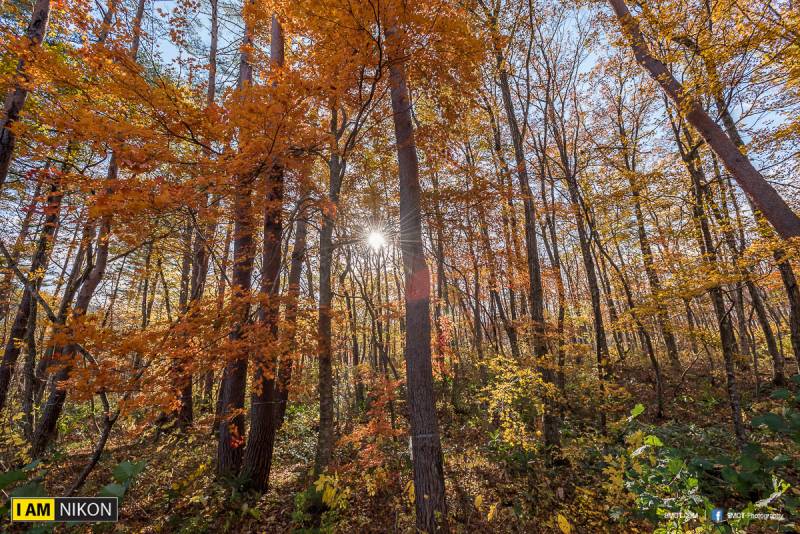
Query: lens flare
(376,240)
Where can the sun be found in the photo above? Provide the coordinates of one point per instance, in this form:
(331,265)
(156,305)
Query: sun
(376,240)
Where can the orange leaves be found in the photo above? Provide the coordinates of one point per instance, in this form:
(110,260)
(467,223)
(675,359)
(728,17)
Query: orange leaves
(370,438)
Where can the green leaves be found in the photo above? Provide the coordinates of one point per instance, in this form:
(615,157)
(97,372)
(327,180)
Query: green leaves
(8,478)
(636,412)
(653,441)
(780,394)
(124,474)
(675,465)
(126,471)
(786,422)
(113,490)
(773,421)
(31,489)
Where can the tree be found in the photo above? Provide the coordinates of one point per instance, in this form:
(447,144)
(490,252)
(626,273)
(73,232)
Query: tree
(425,442)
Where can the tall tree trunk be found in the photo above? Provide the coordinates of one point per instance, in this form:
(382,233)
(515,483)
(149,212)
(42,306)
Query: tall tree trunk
(549,226)
(429,496)
(6,283)
(286,362)
(653,279)
(441,277)
(644,336)
(581,219)
(39,262)
(15,100)
(264,398)
(230,436)
(722,216)
(45,430)
(784,267)
(793,295)
(535,291)
(183,379)
(324,347)
(708,249)
(73,283)
(203,237)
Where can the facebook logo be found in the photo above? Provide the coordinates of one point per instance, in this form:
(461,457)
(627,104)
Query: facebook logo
(718,515)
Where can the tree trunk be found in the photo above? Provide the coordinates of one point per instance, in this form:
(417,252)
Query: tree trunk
(535,291)
(286,362)
(324,349)
(234,377)
(601,343)
(39,262)
(15,100)
(793,294)
(264,398)
(55,402)
(429,496)
(6,283)
(706,243)
(653,279)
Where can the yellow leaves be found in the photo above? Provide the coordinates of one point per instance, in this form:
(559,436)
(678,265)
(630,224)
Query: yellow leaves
(478,501)
(492,512)
(515,397)
(563,524)
(334,494)
(375,480)
(409,492)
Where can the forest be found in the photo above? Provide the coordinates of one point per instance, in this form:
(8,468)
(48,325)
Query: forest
(401,265)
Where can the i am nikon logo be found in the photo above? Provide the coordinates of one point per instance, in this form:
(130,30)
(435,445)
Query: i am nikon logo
(83,509)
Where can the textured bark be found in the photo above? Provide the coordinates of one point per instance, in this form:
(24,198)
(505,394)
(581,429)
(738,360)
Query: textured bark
(15,100)
(264,398)
(45,430)
(429,496)
(324,349)
(39,262)
(234,376)
(6,283)
(775,209)
(286,363)
(230,435)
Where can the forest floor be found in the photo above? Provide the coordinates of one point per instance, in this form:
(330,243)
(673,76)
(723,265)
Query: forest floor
(489,488)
